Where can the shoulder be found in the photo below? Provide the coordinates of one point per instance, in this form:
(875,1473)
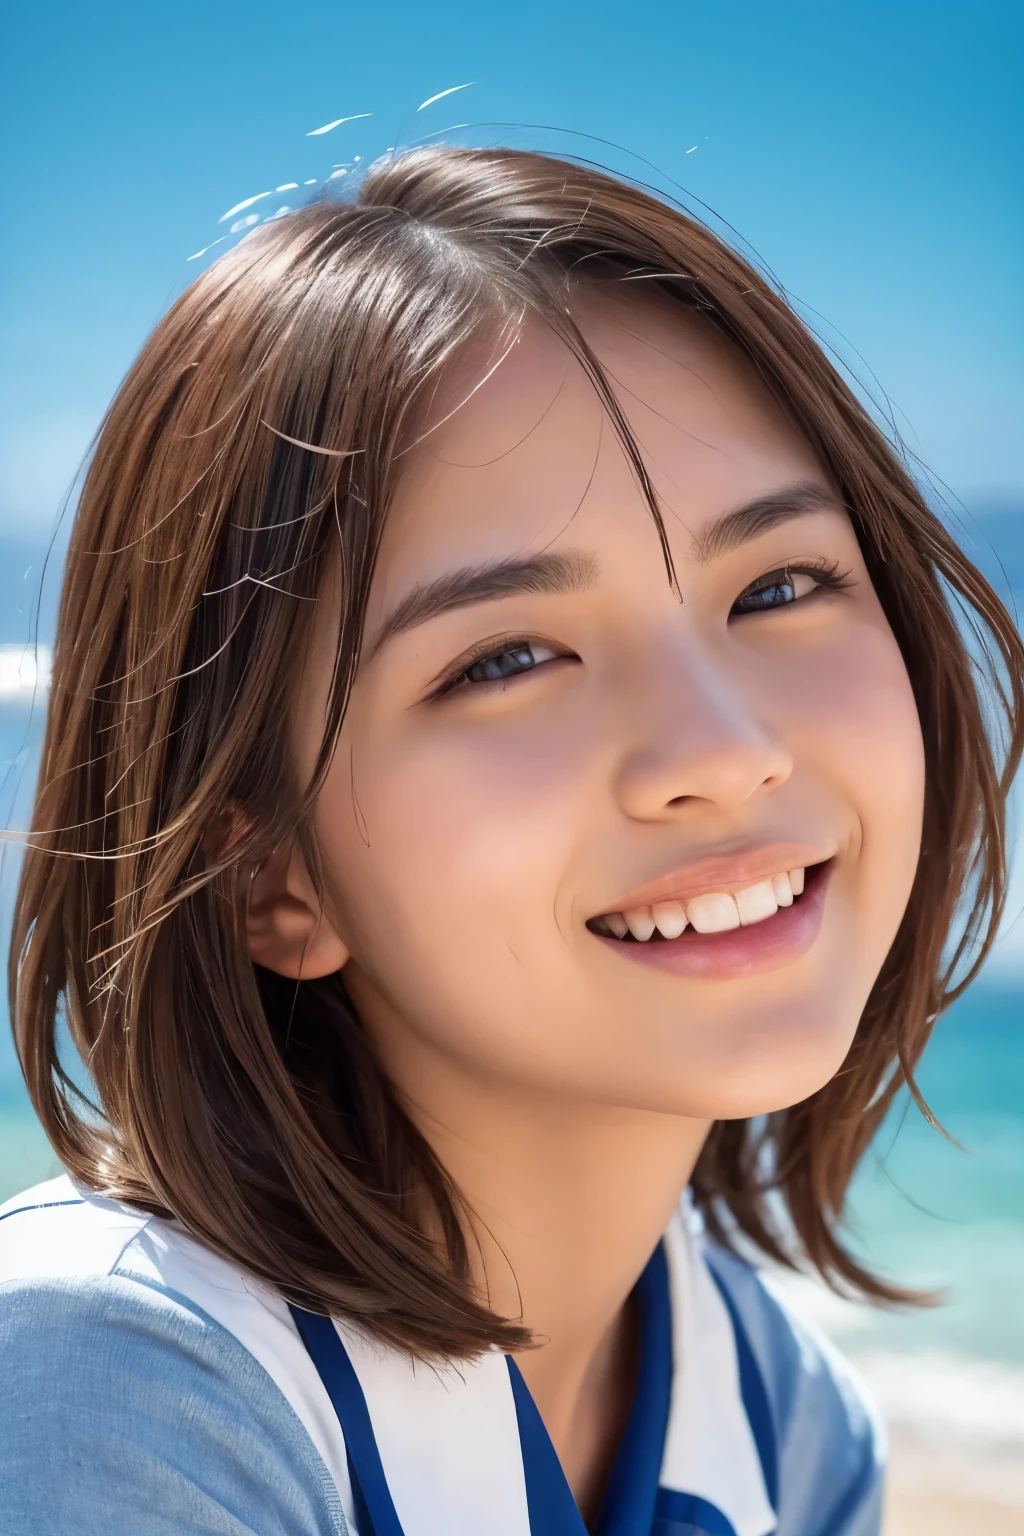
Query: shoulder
(133,1406)
(829,1437)
(56,1230)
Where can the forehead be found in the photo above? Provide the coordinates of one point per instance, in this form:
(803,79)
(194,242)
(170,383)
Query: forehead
(522,455)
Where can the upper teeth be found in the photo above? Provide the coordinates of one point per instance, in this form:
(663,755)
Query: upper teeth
(712,913)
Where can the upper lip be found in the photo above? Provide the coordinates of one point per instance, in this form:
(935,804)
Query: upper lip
(720,872)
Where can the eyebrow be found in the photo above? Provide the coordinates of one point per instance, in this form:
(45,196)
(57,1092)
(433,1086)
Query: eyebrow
(562,571)
(721,534)
(576,570)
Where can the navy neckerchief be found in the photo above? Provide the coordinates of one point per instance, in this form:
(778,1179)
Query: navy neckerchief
(633,1504)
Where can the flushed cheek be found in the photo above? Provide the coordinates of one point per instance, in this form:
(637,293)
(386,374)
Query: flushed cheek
(859,731)
(465,838)
(851,722)
(457,912)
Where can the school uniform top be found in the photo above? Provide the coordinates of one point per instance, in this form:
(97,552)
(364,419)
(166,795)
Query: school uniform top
(148,1388)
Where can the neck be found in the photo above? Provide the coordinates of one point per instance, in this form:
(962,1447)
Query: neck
(567,1203)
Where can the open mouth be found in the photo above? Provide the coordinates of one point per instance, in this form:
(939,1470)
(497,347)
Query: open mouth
(712,912)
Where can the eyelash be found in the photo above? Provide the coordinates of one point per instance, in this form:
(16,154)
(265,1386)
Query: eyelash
(825,573)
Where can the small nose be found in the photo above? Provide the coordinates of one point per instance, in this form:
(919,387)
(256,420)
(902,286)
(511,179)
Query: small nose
(701,738)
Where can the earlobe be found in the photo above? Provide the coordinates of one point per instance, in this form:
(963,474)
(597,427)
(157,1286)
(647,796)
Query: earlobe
(286,928)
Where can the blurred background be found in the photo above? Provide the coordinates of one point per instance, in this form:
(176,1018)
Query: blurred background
(868,155)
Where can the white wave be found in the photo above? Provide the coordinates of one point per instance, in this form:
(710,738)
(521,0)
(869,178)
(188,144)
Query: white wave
(944,1400)
(947,1400)
(24,671)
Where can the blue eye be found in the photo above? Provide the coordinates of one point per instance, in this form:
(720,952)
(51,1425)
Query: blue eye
(783,588)
(776,592)
(491,669)
(496,666)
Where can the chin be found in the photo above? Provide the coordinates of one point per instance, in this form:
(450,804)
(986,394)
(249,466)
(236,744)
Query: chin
(765,1069)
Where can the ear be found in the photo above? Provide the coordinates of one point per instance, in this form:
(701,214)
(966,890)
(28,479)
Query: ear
(285,924)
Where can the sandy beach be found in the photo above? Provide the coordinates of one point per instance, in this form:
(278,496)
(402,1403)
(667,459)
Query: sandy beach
(932,1515)
(951,1492)
(955,1422)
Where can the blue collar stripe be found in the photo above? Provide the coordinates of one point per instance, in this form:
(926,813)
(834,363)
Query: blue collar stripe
(552,1508)
(628,1505)
(633,1505)
(755,1398)
(684,1514)
(362,1514)
(369,1485)
(48,1205)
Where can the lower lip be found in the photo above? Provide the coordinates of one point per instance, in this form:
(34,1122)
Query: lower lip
(764,946)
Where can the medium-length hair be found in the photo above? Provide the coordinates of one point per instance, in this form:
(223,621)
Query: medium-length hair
(258,436)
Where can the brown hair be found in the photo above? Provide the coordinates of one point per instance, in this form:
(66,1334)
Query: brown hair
(259,433)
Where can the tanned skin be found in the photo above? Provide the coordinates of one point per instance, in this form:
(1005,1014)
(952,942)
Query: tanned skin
(468,836)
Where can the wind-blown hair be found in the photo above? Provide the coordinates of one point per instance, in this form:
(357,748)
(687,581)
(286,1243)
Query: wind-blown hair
(259,435)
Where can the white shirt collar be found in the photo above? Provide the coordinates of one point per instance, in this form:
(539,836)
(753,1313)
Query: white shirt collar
(448,1438)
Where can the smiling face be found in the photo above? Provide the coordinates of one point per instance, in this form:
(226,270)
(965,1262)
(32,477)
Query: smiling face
(561,740)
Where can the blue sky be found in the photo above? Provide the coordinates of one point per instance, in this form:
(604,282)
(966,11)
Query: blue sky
(870,154)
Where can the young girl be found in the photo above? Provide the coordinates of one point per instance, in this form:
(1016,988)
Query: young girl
(516,791)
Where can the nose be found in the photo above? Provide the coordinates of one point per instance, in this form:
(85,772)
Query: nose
(697,736)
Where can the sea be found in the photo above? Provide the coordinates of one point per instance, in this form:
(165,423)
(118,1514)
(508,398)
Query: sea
(940,1209)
